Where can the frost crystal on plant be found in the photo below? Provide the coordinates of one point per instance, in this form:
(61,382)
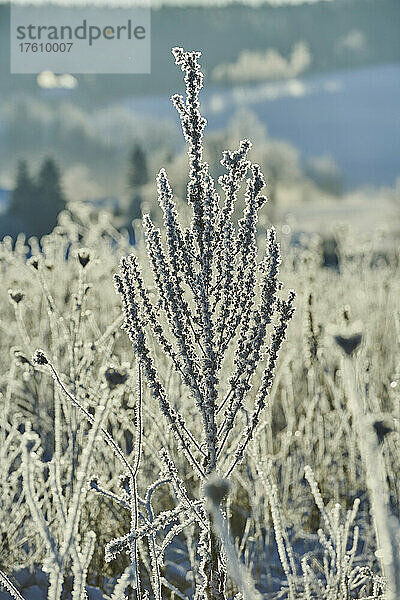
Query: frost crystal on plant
(217,301)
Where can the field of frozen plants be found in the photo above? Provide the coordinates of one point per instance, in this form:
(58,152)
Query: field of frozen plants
(177,422)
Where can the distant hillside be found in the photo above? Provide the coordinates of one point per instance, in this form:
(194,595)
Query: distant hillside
(339,34)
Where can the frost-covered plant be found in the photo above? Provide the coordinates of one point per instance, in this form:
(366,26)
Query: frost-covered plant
(215,299)
(386,525)
(69,554)
(56,490)
(334,574)
(47,450)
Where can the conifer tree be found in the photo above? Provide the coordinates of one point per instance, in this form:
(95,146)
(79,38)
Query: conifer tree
(36,204)
(138,170)
(50,200)
(138,175)
(23,193)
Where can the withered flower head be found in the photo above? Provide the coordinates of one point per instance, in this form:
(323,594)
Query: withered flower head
(83,257)
(34,262)
(349,343)
(382,428)
(39,358)
(20,358)
(16,296)
(115,376)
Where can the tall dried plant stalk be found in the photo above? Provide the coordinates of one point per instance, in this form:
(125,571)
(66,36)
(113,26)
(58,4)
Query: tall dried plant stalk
(215,299)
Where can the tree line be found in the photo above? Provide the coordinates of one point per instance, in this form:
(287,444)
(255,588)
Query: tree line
(37,199)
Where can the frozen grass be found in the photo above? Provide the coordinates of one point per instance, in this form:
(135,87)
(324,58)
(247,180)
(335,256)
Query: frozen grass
(294,520)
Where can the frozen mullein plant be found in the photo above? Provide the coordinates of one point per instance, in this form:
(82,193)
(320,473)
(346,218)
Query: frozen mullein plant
(217,302)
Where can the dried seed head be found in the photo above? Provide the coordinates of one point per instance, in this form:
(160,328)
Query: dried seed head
(123,482)
(83,257)
(216,489)
(34,262)
(31,441)
(39,358)
(115,376)
(349,343)
(16,296)
(382,428)
(94,483)
(20,358)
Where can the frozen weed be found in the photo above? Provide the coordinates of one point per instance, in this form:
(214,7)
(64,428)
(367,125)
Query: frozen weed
(103,450)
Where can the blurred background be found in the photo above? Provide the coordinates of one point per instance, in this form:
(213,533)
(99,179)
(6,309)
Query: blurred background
(314,85)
